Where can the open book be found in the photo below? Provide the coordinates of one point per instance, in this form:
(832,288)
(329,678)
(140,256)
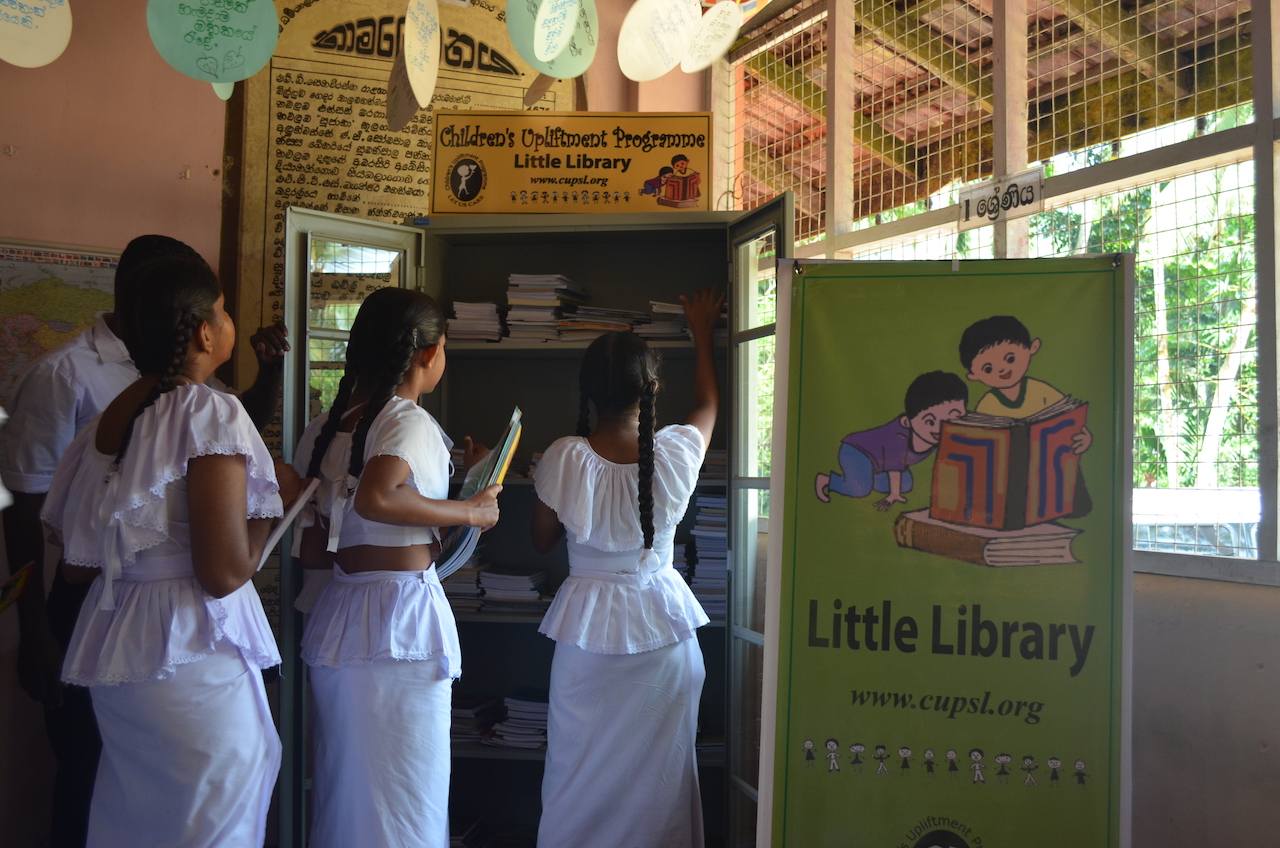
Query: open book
(459,543)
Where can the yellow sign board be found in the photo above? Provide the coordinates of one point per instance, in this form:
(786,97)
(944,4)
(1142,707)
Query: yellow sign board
(505,162)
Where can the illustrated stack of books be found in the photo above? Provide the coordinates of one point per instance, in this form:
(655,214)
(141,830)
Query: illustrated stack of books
(473,715)
(710,580)
(715,467)
(526,723)
(668,323)
(537,302)
(681,191)
(462,587)
(514,589)
(999,487)
(589,322)
(474,322)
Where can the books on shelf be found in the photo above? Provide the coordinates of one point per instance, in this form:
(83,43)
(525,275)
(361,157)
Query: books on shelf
(525,725)
(475,322)
(462,587)
(1008,473)
(514,589)
(537,302)
(715,467)
(710,574)
(473,715)
(1040,544)
(669,323)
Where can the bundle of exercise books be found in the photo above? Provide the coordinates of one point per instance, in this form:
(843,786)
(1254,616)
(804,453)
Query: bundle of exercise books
(589,322)
(460,542)
(679,561)
(475,322)
(710,577)
(536,303)
(517,589)
(526,723)
(715,467)
(669,323)
(473,715)
(462,587)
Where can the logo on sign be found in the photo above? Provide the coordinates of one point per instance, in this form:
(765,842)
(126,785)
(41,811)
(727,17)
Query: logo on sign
(467,180)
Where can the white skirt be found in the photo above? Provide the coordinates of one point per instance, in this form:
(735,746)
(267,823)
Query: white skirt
(621,766)
(381,774)
(190,760)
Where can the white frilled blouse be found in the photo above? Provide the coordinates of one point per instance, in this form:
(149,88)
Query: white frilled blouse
(146,614)
(620,598)
(356,619)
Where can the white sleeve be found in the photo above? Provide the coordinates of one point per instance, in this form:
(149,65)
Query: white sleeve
(43,413)
(408,432)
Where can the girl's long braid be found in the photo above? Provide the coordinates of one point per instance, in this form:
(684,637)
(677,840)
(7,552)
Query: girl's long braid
(400,361)
(168,378)
(648,399)
(332,423)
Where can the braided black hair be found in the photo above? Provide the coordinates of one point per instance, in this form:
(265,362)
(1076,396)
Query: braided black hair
(140,252)
(392,325)
(619,371)
(175,294)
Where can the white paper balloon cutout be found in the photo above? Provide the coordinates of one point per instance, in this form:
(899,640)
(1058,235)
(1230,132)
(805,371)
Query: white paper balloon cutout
(655,35)
(401,104)
(35,32)
(220,41)
(224,90)
(422,47)
(553,28)
(717,31)
(575,59)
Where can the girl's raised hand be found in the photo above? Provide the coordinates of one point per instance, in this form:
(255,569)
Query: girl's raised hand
(484,508)
(702,311)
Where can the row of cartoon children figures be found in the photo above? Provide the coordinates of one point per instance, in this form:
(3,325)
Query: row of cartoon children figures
(572,196)
(1029,764)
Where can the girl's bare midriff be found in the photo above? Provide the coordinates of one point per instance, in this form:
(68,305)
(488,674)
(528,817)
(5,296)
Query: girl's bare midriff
(358,558)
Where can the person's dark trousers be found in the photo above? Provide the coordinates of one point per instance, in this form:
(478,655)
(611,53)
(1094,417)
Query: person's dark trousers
(72,729)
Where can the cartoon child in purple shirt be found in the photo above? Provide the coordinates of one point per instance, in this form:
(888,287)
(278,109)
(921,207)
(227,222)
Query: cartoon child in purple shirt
(879,459)
(654,186)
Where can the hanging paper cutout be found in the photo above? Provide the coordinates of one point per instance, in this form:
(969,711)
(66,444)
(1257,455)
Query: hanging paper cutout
(574,60)
(655,35)
(224,90)
(717,30)
(422,48)
(401,104)
(216,41)
(34,32)
(553,28)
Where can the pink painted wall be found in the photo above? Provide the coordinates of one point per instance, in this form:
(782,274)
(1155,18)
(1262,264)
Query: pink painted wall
(94,147)
(609,91)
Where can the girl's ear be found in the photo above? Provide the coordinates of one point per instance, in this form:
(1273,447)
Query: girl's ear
(202,338)
(428,355)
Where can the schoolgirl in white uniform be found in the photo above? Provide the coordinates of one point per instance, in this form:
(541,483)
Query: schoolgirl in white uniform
(381,640)
(628,672)
(167,498)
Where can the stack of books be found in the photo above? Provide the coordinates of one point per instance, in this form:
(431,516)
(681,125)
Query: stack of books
(526,723)
(590,322)
(475,322)
(462,587)
(537,302)
(715,467)
(473,715)
(710,581)
(514,589)
(668,323)
(679,561)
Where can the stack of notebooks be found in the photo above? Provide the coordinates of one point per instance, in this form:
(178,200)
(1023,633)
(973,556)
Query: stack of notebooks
(462,587)
(667,325)
(715,467)
(537,302)
(590,322)
(475,322)
(473,715)
(679,561)
(526,723)
(513,589)
(710,581)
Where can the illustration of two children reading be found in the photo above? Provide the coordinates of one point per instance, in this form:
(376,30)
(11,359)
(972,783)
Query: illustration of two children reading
(995,352)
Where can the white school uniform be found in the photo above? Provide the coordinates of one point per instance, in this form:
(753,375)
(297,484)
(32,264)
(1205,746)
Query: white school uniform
(383,651)
(189,753)
(627,674)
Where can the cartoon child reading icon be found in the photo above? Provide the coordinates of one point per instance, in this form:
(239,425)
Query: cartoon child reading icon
(879,459)
(997,353)
(654,186)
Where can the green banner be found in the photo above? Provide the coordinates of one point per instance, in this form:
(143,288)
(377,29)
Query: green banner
(953,594)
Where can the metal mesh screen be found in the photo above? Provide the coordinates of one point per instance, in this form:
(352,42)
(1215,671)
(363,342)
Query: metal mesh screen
(1195,383)
(972,244)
